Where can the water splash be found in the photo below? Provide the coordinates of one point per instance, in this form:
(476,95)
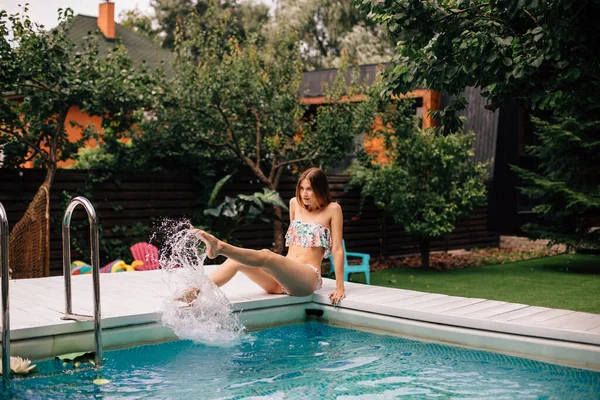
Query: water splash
(209,319)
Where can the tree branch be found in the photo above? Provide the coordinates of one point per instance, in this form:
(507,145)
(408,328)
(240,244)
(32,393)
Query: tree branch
(273,169)
(60,124)
(44,88)
(578,11)
(454,13)
(487,16)
(277,178)
(530,16)
(236,146)
(284,163)
(27,159)
(257,117)
(36,149)
(37,84)
(215,144)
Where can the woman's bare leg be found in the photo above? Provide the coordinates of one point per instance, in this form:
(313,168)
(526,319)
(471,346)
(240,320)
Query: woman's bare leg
(298,279)
(224,272)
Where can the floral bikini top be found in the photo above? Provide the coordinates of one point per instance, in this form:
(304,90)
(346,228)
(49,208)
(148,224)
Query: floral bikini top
(306,234)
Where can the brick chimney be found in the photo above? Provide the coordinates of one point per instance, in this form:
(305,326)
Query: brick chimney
(106,20)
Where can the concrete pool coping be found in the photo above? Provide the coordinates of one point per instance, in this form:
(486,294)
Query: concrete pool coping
(131,302)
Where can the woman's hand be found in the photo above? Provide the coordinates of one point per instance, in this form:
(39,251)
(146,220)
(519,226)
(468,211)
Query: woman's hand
(337,296)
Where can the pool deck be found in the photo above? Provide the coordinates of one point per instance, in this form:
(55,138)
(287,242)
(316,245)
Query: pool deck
(130,304)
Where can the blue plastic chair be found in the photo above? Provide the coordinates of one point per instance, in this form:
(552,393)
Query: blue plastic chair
(351,269)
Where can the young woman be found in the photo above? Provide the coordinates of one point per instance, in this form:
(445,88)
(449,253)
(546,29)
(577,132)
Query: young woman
(315,231)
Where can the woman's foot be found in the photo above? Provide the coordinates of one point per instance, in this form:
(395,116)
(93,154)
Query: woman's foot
(189,295)
(213,244)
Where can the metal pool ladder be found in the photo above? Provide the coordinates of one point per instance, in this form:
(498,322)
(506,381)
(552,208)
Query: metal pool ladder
(5,298)
(66,237)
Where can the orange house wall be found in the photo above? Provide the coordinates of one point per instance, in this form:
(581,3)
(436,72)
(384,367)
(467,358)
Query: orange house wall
(74,132)
(431,101)
(374,145)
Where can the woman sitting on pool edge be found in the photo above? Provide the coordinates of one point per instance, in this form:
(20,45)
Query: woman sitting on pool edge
(315,231)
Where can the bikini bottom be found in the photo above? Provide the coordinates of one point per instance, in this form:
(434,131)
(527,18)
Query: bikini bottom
(319,282)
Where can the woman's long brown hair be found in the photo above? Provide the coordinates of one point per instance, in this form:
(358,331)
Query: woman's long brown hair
(320,186)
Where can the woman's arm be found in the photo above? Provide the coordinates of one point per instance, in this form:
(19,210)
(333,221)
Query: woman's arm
(292,208)
(337,251)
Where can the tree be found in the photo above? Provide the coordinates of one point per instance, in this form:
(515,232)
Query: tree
(328,28)
(139,22)
(541,53)
(169,16)
(325,28)
(243,99)
(565,201)
(429,179)
(43,75)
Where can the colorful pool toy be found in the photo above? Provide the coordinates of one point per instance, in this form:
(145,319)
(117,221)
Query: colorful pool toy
(80,268)
(108,267)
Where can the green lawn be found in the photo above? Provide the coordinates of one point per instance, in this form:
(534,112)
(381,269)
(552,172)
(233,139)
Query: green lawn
(570,281)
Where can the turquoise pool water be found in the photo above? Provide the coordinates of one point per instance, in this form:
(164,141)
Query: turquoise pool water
(311,361)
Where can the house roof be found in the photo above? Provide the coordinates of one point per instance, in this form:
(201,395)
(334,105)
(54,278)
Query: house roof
(139,47)
(314,82)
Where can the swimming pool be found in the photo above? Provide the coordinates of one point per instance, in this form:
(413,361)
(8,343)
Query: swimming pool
(312,360)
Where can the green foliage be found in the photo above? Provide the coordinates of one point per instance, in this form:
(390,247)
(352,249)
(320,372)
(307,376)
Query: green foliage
(328,29)
(541,53)
(119,249)
(43,75)
(224,218)
(139,22)
(249,18)
(102,157)
(325,29)
(429,181)
(565,190)
(536,51)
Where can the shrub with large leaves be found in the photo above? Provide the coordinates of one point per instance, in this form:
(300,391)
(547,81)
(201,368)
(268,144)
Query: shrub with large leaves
(224,218)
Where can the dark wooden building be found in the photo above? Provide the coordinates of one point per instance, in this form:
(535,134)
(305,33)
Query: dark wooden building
(501,139)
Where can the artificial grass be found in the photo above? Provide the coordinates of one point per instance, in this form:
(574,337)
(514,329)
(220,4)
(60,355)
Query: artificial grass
(568,281)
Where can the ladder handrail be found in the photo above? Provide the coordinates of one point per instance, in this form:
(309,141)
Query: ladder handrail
(5,299)
(95,260)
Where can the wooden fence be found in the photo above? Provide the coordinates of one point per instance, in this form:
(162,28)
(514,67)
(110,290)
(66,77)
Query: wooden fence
(127,199)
